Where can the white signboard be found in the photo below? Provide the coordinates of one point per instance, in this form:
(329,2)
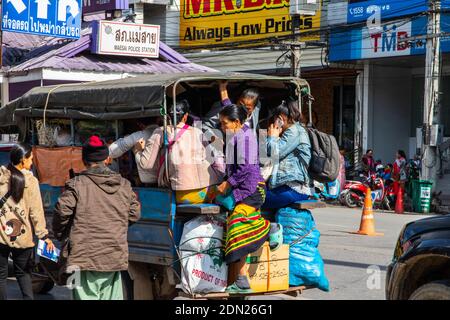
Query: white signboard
(126,39)
(386,42)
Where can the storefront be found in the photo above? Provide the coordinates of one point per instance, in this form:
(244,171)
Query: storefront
(387,42)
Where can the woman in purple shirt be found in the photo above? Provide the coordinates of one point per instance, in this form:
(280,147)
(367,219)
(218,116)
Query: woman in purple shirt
(247,230)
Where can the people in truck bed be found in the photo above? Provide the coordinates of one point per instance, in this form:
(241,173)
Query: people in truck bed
(190,171)
(249,98)
(247,230)
(119,147)
(288,143)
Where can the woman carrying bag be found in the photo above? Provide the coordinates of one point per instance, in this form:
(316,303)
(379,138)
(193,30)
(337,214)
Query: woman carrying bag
(21,212)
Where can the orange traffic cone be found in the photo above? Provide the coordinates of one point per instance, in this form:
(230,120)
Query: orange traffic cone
(367,226)
(399,201)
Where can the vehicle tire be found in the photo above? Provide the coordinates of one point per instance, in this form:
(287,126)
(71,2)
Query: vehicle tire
(40,285)
(47,287)
(437,290)
(341,197)
(349,201)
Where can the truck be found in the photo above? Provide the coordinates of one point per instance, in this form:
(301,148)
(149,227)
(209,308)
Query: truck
(77,108)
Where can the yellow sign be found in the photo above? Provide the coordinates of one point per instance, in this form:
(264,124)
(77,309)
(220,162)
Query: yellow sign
(209,22)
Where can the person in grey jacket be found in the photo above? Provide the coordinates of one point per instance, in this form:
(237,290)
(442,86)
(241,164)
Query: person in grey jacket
(249,98)
(289,142)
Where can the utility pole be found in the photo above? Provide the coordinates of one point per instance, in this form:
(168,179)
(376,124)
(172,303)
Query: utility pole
(296,9)
(431,93)
(295,46)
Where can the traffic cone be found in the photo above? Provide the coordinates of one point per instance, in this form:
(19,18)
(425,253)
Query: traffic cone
(367,226)
(399,201)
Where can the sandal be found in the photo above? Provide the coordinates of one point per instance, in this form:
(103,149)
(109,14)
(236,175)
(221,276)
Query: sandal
(276,237)
(234,289)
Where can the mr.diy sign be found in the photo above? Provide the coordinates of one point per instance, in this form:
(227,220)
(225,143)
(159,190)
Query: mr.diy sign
(126,39)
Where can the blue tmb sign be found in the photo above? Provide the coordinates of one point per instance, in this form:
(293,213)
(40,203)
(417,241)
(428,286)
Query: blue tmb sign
(55,18)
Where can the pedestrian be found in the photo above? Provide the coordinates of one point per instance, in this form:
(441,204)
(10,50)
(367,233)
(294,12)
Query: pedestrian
(21,215)
(289,143)
(399,171)
(342,168)
(368,163)
(91,218)
(247,230)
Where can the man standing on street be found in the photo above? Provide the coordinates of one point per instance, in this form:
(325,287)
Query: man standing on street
(91,219)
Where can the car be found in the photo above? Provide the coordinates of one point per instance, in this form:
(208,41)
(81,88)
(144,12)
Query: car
(420,269)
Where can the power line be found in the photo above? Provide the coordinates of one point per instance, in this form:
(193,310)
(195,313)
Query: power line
(318,31)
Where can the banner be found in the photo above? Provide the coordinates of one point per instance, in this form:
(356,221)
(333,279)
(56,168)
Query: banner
(239,22)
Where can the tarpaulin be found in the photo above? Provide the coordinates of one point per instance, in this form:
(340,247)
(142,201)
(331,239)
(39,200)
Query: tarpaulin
(53,164)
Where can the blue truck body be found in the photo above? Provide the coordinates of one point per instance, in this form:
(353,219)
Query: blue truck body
(149,239)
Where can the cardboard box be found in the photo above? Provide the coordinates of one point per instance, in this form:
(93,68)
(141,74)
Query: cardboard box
(267,270)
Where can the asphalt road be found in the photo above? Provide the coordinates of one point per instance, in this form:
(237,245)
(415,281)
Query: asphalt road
(347,257)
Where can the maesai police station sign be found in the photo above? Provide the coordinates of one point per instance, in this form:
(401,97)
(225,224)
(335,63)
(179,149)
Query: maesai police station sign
(125,39)
(385,39)
(56,18)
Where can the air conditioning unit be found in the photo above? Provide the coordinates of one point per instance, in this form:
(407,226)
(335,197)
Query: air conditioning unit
(304,7)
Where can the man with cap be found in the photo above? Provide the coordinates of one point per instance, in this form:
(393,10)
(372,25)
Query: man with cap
(91,219)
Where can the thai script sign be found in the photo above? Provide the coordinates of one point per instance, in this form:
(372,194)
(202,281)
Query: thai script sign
(60,19)
(126,39)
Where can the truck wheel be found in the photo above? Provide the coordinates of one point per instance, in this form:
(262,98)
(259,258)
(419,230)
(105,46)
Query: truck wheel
(41,286)
(47,287)
(437,290)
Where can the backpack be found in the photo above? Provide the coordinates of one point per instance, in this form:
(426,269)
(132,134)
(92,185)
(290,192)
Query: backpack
(325,160)
(11,222)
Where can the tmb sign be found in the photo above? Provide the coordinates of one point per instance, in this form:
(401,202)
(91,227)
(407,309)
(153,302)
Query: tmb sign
(60,18)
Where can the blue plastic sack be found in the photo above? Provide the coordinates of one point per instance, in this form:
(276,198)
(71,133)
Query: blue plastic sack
(305,262)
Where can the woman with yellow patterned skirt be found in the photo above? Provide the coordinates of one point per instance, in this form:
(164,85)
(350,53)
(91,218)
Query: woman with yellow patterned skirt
(247,230)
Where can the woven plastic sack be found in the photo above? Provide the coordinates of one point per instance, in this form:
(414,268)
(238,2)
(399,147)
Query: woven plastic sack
(202,255)
(305,262)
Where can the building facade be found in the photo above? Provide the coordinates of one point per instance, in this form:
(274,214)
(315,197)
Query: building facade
(386,42)
(223,36)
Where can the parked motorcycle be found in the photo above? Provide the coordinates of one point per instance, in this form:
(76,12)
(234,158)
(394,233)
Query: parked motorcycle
(354,192)
(327,191)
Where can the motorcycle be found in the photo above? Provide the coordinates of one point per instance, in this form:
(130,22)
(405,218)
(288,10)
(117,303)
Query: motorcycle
(327,191)
(354,192)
